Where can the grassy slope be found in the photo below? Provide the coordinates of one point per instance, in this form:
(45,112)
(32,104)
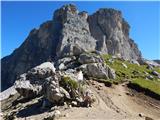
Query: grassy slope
(153,86)
(134,73)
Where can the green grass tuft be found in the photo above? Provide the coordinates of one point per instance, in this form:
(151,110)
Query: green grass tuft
(68,81)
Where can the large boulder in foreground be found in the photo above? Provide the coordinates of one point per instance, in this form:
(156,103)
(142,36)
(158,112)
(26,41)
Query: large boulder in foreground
(41,80)
(26,89)
(42,71)
(29,84)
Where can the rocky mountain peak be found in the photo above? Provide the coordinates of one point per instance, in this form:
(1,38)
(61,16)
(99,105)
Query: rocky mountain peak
(71,33)
(75,34)
(110,24)
(65,12)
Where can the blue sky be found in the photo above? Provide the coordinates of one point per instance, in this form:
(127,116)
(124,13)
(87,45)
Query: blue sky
(19,18)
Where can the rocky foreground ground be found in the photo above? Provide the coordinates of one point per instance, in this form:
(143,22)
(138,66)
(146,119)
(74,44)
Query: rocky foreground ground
(115,103)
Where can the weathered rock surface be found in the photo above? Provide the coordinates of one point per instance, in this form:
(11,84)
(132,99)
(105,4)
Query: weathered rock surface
(134,62)
(109,25)
(30,84)
(150,77)
(150,67)
(42,80)
(65,63)
(75,36)
(70,33)
(111,73)
(7,93)
(26,89)
(89,58)
(98,70)
(52,89)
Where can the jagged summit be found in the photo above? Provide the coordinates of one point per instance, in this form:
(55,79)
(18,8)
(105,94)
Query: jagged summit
(108,25)
(71,33)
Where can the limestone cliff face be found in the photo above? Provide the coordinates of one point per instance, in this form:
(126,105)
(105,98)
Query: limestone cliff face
(70,33)
(108,25)
(75,36)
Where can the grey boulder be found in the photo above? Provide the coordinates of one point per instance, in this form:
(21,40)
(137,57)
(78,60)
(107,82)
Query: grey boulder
(98,70)
(150,67)
(52,89)
(86,58)
(30,84)
(150,77)
(155,73)
(134,62)
(65,93)
(65,63)
(26,89)
(111,73)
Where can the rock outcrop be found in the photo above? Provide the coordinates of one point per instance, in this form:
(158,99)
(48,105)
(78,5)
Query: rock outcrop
(70,33)
(89,58)
(108,25)
(75,35)
(30,84)
(52,89)
(98,70)
(54,86)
